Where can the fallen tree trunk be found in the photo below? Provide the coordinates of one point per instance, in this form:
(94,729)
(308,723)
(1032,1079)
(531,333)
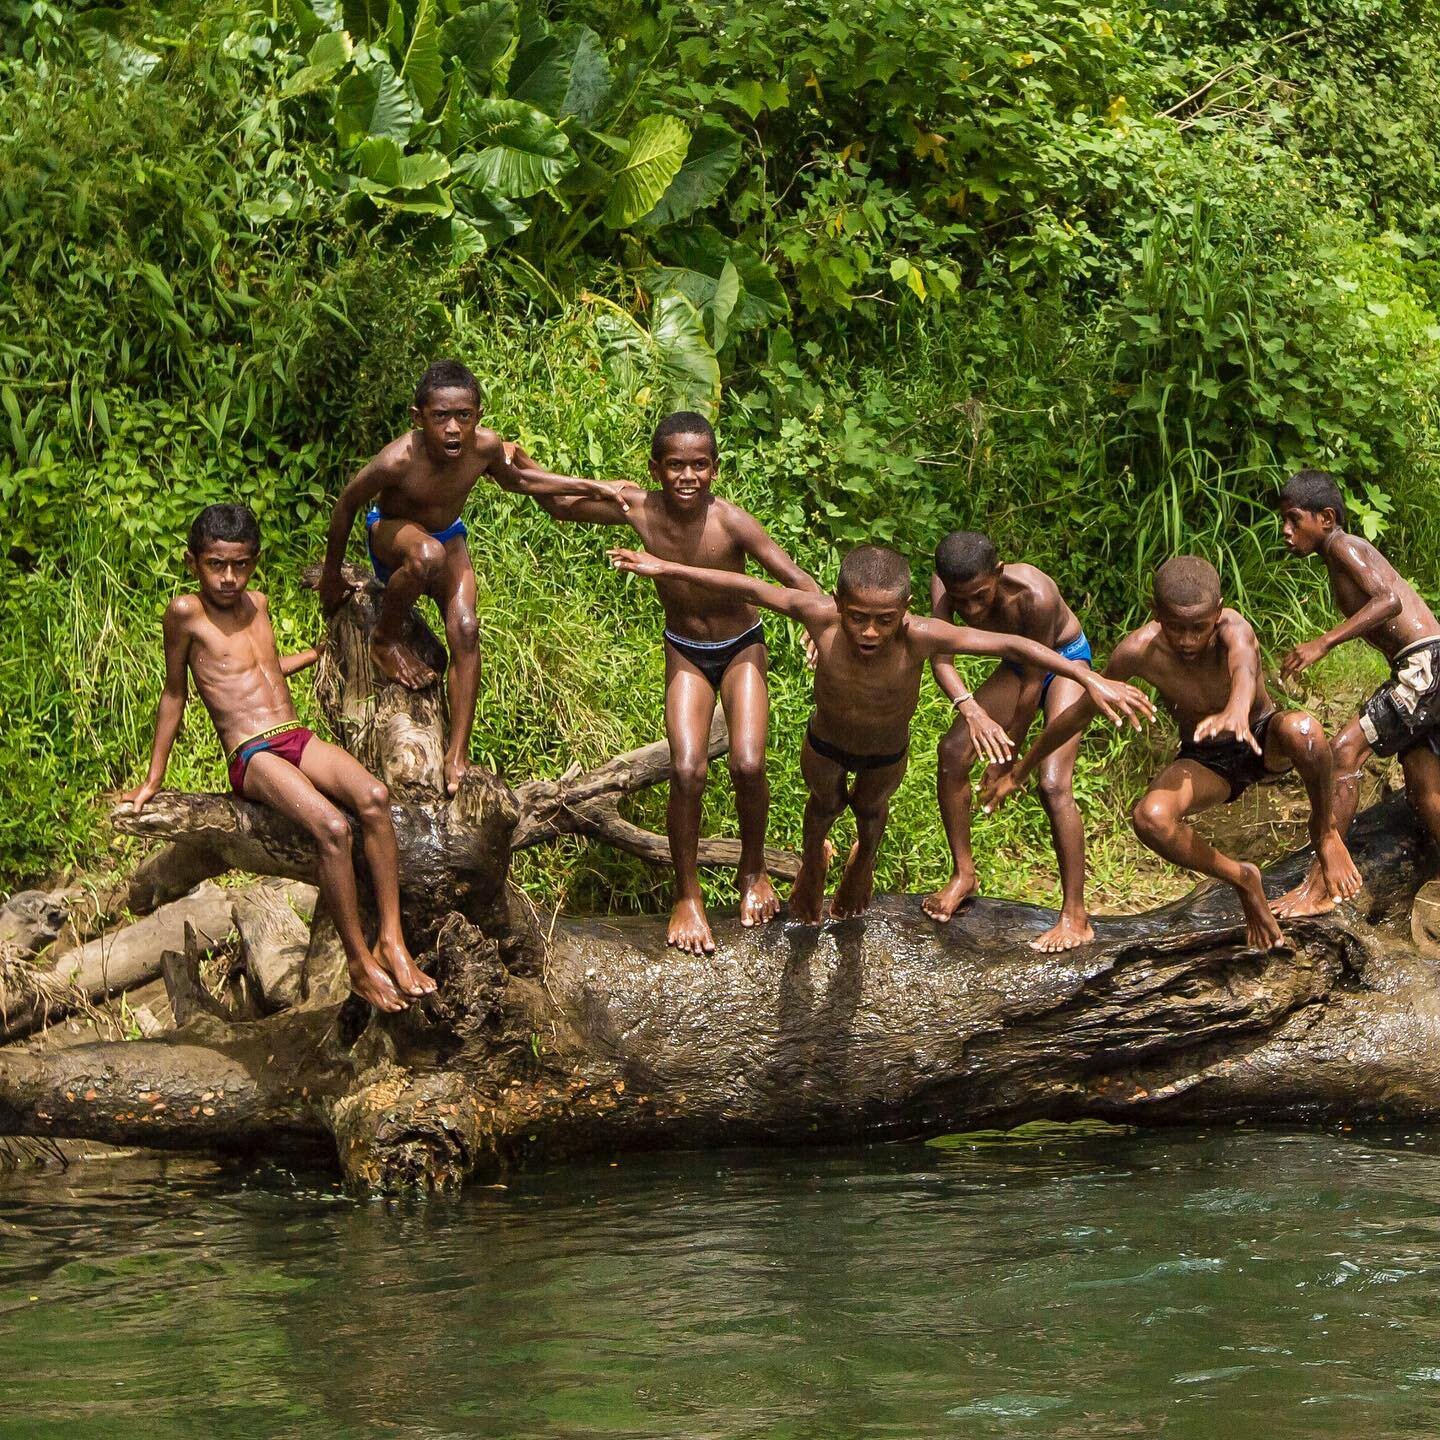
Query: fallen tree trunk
(592,1036)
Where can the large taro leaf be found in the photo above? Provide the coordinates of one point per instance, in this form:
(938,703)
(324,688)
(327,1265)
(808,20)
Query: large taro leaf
(589,86)
(373,101)
(709,163)
(493,218)
(383,165)
(423,66)
(704,249)
(657,151)
(366,19)
(516,151)
(564,73)
(328,56)
(537,74)
(714,296)
(480,40)
(673,352)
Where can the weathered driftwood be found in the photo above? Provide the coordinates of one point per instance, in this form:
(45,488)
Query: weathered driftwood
(115,962)
(592,1036)
(273,924)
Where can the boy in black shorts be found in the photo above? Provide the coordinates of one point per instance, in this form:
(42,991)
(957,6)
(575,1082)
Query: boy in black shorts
(1403,716)
(1204,662)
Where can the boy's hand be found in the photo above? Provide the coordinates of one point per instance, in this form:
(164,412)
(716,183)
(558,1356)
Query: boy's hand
(1228,722)
(139,797)
(996,787)
(1301,658)
(988,735)
(622,492)
(635,562)
(812,652)
(1118,701)
(333,590)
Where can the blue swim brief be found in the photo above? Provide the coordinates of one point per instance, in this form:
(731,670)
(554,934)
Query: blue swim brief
(1077,649)
(382,571)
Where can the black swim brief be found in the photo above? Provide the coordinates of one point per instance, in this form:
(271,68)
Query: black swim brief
(712,658)
(1233,760)
(848,760)
(1405,711)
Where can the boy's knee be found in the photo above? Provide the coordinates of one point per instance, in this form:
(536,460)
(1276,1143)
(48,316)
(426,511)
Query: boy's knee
(464,629)
(688,772)
(1348,749)
(1056,791)
(956,753)
(374,800)
(746,767)
(1152,817)
(332,834)
(427,558)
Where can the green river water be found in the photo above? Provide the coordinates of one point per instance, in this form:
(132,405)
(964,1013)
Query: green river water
(1226,1283)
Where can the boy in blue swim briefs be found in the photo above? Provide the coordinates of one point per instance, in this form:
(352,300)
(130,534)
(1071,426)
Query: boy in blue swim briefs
(221,635)
(413,492)
(971,586)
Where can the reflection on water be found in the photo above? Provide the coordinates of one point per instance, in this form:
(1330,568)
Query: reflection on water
(1227,1284)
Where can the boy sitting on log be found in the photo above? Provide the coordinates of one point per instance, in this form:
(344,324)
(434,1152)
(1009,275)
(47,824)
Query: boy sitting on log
(971,581)
(415,489)
(222,636)
(1403,716)
(870,656)
(712,648)
(1204,662)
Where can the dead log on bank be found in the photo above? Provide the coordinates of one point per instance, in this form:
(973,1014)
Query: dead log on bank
(595,1038)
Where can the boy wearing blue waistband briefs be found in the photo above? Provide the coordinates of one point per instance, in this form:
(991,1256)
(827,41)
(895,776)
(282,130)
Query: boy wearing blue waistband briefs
(714,647)
(973,587)
(413,492)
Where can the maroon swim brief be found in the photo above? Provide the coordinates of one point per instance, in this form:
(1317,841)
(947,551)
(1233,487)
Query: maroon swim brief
(286,741)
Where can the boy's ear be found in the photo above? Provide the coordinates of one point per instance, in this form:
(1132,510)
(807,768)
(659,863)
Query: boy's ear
(417,416)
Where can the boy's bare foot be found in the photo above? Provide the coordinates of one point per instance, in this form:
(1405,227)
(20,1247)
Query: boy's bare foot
(1066,934)
(455,768)
(759,904)
(1262,930)
(807,894)
(410,979)
(373,985)
(398,662)
(689,929)
(1310,897)
(951,896)
(1343,880)
(856,888)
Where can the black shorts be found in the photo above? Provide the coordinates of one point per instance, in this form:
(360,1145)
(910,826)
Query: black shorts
(1233,760)
(1405,711)
(712,658)
(848,760)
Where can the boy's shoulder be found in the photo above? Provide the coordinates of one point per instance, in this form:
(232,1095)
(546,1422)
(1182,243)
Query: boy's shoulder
(184,610)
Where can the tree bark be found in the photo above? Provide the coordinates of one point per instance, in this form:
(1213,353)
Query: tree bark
(592,1036)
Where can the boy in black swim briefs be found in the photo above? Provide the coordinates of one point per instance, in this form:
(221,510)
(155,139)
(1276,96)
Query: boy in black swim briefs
(222,636)
(1380,607)
(714,646)
(870,656)
(1204,662)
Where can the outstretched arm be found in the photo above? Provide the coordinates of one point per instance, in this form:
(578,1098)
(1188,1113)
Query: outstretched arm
(1113,700)
(171,709)
(1357,559)
(301,660)
(1062,729)
(1242,652)
(608,501)
(812,609)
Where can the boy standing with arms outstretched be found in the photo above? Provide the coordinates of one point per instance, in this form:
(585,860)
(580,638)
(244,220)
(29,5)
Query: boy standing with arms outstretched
(415,489)
(1403,716)
(1204,662)
(870,656)
(222,636)
(714,646)
(971,582)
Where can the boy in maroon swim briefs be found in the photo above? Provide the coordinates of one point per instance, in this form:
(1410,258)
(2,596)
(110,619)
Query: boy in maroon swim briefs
(222,636)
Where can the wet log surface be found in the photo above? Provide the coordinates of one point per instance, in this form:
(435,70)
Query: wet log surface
(591,1036)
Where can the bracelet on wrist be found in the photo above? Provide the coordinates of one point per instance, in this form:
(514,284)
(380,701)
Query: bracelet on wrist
(963,699)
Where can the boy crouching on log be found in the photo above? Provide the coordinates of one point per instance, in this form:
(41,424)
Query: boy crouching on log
(1204,662)
(222,636)
(714,646)
(870,656)
(1403,716)
(970,581)
(415,489)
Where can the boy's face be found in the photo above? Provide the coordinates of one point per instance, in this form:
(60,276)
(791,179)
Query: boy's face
(871,619)
(685,470)
(1188,629)
(1305,530)
(223,568)
(974,599)
(448,420)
